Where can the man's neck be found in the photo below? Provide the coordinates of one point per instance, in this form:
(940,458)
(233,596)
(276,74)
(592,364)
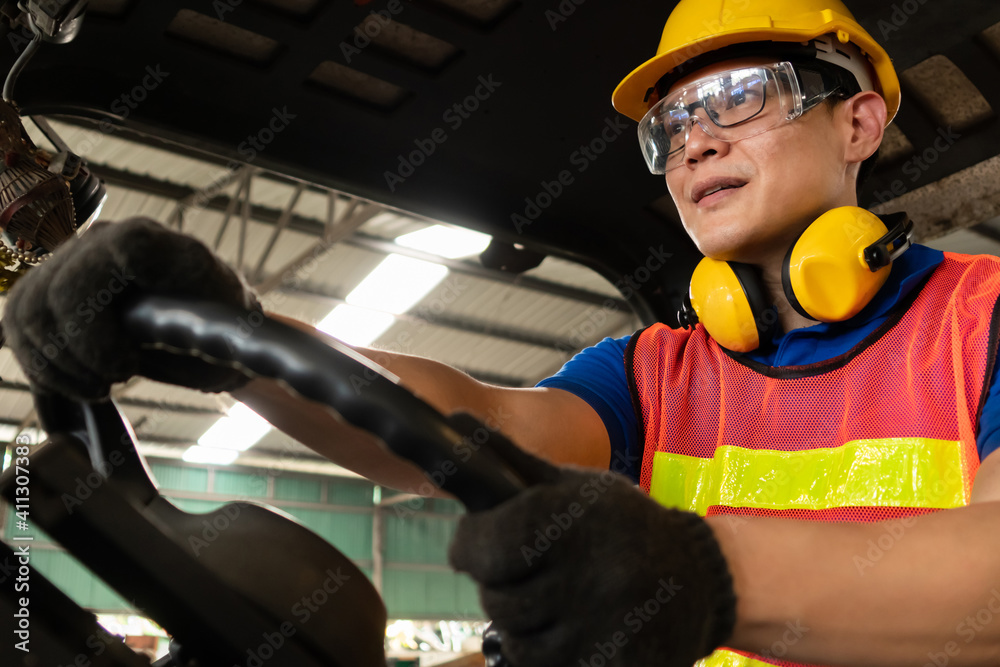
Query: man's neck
(788,317)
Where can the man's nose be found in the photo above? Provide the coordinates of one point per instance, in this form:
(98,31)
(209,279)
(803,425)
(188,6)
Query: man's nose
(699,144)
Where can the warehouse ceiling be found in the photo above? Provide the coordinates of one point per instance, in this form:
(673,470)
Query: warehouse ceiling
(488,114)
(305,249)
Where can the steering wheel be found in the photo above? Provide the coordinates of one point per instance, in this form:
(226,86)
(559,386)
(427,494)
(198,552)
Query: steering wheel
(262,584)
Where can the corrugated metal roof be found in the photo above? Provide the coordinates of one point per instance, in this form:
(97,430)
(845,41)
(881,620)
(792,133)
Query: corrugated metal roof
(568,273)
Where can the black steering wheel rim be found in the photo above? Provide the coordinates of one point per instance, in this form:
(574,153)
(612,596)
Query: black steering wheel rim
(448,449)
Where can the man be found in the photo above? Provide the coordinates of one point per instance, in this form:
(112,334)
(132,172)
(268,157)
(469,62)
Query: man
(818,453)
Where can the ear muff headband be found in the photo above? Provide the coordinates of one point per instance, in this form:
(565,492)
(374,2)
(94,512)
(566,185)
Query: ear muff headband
(840,261)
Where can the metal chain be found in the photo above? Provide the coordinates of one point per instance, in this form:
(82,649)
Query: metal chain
(8,254)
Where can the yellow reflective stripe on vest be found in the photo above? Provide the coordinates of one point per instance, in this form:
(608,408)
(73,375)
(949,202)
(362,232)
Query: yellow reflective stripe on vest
(724,658)
(890,472)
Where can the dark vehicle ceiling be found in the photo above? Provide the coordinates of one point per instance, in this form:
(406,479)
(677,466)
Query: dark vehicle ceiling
(553,65)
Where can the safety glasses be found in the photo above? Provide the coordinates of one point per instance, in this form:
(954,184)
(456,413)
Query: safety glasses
(734,105)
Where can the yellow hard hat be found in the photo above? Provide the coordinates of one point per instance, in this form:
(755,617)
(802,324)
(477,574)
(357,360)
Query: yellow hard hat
(696,27)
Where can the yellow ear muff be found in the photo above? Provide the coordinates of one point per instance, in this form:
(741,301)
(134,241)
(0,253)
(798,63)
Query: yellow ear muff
(730,302)
(825,275)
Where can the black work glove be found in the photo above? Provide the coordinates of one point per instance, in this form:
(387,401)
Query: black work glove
(63,320)
(585,567)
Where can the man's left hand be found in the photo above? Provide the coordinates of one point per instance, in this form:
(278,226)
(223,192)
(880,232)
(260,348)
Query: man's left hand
(585,565)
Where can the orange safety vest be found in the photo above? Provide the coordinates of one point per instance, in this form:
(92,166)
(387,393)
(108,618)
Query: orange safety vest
(885,431)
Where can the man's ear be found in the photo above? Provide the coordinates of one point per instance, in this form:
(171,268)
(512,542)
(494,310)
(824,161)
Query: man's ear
(867,114)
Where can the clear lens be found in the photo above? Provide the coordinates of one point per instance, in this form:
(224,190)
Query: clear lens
(737,99)
(728,106)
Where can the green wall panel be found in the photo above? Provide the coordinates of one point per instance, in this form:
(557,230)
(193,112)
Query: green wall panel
(178,478)
(417,594)
(240,484)
(468,595)
(445,506)
(350,533)
(349,492)
(431,505)
(408,506)
(418,538)
(294,488)
(76,581)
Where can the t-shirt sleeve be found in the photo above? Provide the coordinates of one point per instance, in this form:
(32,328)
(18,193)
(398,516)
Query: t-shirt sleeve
(988,439)
(597,375)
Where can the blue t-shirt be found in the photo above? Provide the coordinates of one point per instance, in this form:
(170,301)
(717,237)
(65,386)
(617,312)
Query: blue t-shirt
(597,374)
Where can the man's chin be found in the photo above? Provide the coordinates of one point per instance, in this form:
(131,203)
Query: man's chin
(746,251)
(717,244)
(736,238)
(724,253)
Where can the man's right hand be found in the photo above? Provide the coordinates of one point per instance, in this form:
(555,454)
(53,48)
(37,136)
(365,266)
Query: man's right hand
(63,320)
